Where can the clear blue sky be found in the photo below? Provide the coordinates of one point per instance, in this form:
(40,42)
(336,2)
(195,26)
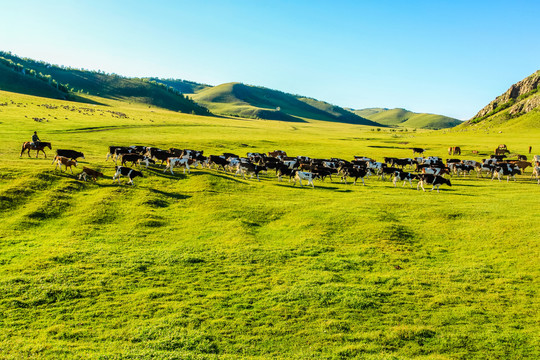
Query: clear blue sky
(445,57)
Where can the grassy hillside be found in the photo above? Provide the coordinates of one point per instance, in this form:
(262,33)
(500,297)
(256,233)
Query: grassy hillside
(183,86)
(101,84)
(210,266)
(16,82)
(518,108)
(367,112)
(261,103)
(405,118)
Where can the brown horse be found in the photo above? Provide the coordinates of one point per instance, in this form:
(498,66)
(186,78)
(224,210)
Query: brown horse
(454,150)
(27,145)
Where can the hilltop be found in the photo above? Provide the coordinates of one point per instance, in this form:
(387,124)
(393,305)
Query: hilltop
(518,107)
(237,99)
(32,77)
(405,118)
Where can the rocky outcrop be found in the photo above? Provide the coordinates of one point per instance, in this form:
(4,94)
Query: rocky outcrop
(523,87)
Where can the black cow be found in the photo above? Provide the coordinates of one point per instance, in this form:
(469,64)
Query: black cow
(136,158)
(431,179)
(128,172)
(218,160)
(70,154)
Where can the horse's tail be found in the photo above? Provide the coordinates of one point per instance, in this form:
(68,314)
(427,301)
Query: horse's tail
(23,148)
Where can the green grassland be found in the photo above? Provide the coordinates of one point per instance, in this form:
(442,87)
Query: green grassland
(210,266)
(405,118)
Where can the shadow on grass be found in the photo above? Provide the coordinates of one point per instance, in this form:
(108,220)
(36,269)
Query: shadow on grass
(171,195)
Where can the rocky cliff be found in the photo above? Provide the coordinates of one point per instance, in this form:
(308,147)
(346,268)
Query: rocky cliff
(519,98)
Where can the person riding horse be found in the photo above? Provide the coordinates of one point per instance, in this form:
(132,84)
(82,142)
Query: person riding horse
(35,139)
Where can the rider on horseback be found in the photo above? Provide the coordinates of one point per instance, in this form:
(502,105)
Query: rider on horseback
(35,139)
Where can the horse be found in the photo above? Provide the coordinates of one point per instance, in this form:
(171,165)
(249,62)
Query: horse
(27,145)
(454,150)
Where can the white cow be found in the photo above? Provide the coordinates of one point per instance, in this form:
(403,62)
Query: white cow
(306,176)
(179,161)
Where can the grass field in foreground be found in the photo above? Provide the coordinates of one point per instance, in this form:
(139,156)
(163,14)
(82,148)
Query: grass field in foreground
(210,266)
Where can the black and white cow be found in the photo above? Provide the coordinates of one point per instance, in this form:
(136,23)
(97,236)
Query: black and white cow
(506,171)
(403,176)
(249,168)
(128,172)
(177,161)
(306,176)
(431,179)
(356,173)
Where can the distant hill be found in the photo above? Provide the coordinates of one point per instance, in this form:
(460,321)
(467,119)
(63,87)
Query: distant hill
(91,82)
(183,86)
(519,106)
(236,99)
(406,118)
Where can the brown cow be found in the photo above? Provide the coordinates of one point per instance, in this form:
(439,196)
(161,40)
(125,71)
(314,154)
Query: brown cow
(90,172)
(61,160)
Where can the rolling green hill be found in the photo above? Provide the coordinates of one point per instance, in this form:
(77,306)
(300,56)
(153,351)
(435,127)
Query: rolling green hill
(405,118)
(518,107)
(183,86)
(95,83)
(242,100)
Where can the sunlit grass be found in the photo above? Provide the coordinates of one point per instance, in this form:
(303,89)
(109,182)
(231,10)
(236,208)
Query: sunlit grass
(208,265)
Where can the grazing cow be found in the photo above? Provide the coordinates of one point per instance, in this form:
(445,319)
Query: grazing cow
(356,173)
(70,154)
(418,151)
(505,171)
(536,172)
(277,153)
(522,165)
(94,174)
(175,161)
(405,176)
(306,176)
(136,158)
(430,179)
(244,168)
(128,172)
(498,157)
(522,157)
(61,160)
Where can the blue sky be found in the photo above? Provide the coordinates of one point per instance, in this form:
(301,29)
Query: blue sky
(445,57)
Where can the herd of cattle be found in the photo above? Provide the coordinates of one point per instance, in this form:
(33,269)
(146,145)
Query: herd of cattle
(427,170)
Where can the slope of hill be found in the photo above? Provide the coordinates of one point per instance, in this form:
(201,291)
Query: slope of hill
(14,81)
(101,84)
(183,86)
(518,106)
(237,99)
(367,112)
(406,118)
